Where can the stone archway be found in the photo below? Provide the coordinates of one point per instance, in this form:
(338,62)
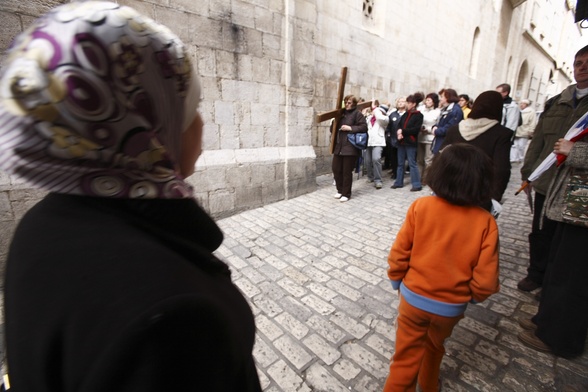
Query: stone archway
(522,81)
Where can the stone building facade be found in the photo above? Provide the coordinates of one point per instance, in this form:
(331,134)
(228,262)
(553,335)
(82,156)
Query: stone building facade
(269,66)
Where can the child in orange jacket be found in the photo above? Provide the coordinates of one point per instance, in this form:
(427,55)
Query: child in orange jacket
(444,257)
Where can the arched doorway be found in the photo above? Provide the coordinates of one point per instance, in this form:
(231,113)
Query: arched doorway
(522,81)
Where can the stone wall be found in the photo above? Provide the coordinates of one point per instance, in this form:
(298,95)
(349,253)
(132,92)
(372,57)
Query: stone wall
(269,66)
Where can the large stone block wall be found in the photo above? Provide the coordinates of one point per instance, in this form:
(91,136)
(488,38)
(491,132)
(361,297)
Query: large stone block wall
(269,66)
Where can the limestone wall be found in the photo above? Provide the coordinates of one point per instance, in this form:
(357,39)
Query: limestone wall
(269,66)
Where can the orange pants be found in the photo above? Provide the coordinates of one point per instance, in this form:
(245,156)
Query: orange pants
(419,349)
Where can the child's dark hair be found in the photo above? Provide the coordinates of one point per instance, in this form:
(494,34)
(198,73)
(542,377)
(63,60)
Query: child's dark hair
(462,174)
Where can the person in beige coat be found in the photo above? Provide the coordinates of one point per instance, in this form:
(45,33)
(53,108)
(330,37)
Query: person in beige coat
(524,132)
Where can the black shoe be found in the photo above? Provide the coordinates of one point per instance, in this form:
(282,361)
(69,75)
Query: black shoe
(395,186)
(416,189)
(528,285)
(529,339)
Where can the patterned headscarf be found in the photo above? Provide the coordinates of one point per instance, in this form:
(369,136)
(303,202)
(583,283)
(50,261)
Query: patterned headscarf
(94,98)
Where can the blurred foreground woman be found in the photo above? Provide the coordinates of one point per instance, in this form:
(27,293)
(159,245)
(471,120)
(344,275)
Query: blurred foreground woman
(111,284)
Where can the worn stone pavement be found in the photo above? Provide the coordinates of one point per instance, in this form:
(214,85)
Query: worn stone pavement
(314,272)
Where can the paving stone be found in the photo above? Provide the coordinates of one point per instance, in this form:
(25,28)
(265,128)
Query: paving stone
(367,360)
(272,291)
(319,379)
(381,345)
(295,308)
(293,351)
(318,304)
(477,380)
(346,369)
(267,327)
(464,336)
(292,287)
(264,381)
(315,274)
(286,378)
(352,308)
(368,384)
(268,306)
(322,349)
(271,272)
(296,275)
(541,373)
(322,291)
(325,328)
(479,328)
(325,309)
(290,324)
(489,349)
(264,353)
(344,289)
(478,361)
(383,309)
(248,288)
(253,275)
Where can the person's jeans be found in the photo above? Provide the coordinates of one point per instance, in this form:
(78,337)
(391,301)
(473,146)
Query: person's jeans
(404,153)
(373,163)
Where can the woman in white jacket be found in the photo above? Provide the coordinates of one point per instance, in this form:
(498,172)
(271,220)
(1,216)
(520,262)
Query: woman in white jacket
(377,123)
(431,113)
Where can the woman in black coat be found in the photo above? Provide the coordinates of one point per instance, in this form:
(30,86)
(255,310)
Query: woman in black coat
(482,129)
(408,130)
(344,153)
(111,284)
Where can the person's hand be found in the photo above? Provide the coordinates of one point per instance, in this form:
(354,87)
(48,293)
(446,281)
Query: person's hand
(345,128)
(433,129)
(563,146)
(528,188)
(399,134)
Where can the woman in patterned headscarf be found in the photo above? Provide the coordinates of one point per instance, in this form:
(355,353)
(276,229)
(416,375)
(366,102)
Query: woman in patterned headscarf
(110,280)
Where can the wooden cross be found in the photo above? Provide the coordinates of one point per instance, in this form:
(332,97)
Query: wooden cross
(338,112)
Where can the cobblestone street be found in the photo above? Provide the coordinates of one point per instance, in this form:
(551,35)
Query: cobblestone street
(314,272)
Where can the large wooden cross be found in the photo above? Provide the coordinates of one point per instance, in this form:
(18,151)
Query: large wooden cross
(338,111)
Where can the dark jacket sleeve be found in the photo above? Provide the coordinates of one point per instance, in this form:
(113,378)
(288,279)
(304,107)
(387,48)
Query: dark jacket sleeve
(452,136)
(501,161)
(453,118)
(359,123)
(537,143)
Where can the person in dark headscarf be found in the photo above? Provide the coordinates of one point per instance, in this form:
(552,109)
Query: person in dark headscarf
(482,129)
(111,284)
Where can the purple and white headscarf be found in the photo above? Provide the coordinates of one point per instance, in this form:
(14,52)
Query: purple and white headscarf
(94,98)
